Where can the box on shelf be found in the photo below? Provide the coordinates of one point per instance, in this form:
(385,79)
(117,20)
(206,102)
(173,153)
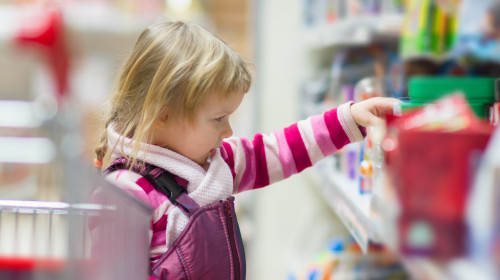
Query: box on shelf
(433,180)
(432,167)
(479,92)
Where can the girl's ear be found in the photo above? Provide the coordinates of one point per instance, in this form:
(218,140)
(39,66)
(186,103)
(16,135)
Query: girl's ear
(161,122)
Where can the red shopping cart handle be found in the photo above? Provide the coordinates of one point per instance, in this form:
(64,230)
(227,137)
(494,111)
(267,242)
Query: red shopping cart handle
(44,29)
(29,264)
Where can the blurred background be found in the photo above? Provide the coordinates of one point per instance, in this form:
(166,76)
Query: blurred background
(418,199)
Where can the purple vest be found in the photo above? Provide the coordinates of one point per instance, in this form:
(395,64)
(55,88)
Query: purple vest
(210,247)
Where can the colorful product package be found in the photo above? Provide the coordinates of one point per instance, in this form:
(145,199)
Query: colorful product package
(432,167)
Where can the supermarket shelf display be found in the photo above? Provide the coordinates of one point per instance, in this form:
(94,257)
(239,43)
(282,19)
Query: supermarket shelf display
(369,184)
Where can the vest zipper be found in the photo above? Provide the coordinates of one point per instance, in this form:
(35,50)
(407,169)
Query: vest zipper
(234,252)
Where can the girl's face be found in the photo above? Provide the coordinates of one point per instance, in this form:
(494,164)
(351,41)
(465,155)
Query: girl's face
(198,141)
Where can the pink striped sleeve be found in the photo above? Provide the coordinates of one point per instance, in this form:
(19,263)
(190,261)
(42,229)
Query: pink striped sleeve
(248,176)
(126,180)
(274,165)
(159,236)
(349,126)
(254,174)
(262,175)
(285,152)
(298,148)
(337,134)
(322,135)
(310,142)
(228,156)
(341,127)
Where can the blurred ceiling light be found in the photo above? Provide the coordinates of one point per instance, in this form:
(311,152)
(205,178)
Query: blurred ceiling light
(26,150)
(18,113)
(179,6)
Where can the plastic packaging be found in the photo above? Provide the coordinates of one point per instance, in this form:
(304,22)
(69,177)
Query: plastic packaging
(431,168)
(482,216)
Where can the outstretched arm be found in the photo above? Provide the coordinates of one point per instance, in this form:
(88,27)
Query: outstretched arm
(270,158)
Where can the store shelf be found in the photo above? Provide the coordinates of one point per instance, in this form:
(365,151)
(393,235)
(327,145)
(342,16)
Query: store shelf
(357,30)
(351,207)
(369,217)
(421,268)
(465,269)
(383,219)
(459,269)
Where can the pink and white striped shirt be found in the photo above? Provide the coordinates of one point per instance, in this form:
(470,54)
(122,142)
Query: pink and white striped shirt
(253,164)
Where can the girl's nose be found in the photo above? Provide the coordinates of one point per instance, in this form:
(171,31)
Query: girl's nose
(228,131)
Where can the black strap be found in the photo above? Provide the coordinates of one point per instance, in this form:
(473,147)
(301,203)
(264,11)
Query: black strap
(163,182)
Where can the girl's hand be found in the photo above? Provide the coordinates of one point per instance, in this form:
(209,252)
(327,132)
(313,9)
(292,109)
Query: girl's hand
(371,112)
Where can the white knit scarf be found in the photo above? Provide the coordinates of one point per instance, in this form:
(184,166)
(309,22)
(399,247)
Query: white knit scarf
(204,187)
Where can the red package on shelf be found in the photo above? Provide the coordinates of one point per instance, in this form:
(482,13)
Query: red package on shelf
(435,151)
(435,170)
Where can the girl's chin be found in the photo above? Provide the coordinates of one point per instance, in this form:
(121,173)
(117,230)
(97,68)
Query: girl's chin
(205,161)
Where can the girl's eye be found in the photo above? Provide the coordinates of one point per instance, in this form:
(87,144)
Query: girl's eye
(219,118)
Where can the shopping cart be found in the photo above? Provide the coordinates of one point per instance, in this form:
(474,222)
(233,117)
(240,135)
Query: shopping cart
(106,239)
(88,228)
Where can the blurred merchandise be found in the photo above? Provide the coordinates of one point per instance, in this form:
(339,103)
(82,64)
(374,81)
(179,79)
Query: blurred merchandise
(356,75)
(426,184)
(368,88)
(429,29)
(350,22)
(458,38)
(479,92)
(354,175)
(362,72)
(495,114)
(318,12)
(432,169)
(343,259)
(482,216)
(479,30)
(449,114)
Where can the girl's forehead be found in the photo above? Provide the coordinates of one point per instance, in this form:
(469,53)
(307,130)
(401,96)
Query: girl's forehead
(223,104)
(214,104)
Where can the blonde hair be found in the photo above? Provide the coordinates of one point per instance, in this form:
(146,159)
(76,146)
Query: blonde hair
(174,67)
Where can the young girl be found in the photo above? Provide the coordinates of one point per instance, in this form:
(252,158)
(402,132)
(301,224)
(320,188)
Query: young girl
(170,115)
